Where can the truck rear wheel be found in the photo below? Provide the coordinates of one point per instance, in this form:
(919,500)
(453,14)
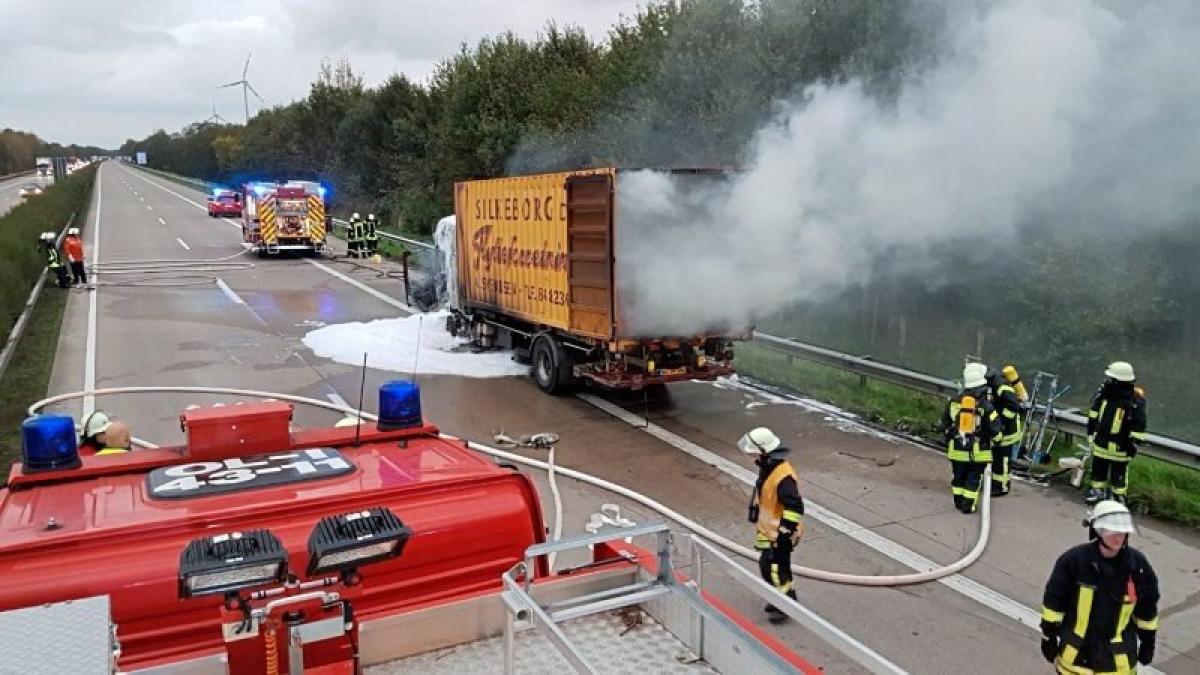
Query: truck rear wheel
(552,368)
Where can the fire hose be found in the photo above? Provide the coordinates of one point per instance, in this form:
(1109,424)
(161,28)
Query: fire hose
(182,272)
(687,523)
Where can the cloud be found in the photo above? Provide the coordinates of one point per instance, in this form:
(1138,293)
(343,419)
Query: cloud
(98,73)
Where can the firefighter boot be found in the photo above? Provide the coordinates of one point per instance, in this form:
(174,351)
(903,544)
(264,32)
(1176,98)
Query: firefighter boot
(1095,495)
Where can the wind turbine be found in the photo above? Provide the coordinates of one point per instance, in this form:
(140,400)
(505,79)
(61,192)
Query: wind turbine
(216,119)
(246,88)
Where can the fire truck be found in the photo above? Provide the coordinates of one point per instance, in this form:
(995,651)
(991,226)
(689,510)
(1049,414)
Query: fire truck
(289,216)
(256,547)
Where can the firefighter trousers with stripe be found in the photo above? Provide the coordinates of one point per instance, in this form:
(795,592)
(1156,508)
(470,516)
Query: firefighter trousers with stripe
(1001,477)
(1110,474)
(965,481)
(775,566)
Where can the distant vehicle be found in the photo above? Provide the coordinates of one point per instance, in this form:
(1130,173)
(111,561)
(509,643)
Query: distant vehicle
(224,203)
(29,190)
(43,166)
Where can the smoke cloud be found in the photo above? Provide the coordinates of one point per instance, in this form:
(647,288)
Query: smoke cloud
(1072,115)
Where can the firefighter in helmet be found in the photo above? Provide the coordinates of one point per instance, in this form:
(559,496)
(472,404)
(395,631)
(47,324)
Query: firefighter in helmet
(777,510)
(53,259)
(1116,423)
(1008,406)
(371,235)
(972,428)
(355,234)
(1100,607)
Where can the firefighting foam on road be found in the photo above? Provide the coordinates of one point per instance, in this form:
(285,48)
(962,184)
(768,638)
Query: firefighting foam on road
(410,344)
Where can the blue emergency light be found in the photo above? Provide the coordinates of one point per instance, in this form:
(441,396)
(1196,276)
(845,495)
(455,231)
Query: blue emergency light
(399,405)
(48,443)
(321,191)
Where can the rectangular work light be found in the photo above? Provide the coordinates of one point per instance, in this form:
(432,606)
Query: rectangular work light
(231,562)
(348,541)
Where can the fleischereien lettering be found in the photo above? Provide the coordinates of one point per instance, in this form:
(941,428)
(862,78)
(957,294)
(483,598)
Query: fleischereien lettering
(489,252)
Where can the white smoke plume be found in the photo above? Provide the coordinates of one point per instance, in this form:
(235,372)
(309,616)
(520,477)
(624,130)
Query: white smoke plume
(1044,113)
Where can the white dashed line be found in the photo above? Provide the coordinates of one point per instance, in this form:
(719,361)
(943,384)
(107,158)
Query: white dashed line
(229,293)
(183,244)
(161,221)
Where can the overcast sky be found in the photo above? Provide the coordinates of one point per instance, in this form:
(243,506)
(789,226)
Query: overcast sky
(98,72)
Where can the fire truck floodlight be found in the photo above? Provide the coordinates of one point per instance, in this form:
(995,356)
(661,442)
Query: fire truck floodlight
(348,541)
(231,562)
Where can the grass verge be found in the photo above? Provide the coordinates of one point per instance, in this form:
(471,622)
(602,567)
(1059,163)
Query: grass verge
(28,375)
(1158,488)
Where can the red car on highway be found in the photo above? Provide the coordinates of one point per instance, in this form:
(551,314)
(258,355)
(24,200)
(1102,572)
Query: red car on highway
(224,203)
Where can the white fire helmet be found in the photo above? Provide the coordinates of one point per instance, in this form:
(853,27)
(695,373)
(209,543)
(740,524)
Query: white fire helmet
(1111,516)
(355,216)
(974,375)
(96,423)
(74,231)
(1120,371)
(758,441)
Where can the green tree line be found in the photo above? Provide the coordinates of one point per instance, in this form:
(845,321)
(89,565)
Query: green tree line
(20,149)
(682,82)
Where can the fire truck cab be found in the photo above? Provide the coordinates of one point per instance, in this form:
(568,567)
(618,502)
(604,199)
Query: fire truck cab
(287,216)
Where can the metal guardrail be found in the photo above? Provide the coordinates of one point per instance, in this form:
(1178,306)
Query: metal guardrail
(19,173)
(1069,420)
(18,329)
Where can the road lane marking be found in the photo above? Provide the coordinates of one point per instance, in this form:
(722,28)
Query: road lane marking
(901,554)
(149,208)
(89,359)
(361,286)
(230,293)
(161,221)
(183,244)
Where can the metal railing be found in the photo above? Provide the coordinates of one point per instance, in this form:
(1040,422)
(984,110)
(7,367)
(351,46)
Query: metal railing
(522,606)
(803,616)
(1069,420)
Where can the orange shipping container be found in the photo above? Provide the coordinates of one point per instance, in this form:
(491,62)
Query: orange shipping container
(518,256)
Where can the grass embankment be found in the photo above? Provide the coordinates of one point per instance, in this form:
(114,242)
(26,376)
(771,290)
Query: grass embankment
(28,373)
(1162,489)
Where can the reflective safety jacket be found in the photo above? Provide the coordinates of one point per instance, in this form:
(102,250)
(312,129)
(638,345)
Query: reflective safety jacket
(369,229)
(1117,420)
(976,446)
(1098,607)
(1008,406)
(52,258)
(778,498)
(355,230)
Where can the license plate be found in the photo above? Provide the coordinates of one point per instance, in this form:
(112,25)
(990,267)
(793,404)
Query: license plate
(672,371)
(202,479)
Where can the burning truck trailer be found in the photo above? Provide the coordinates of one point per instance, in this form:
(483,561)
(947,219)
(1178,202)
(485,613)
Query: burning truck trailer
(534,264)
